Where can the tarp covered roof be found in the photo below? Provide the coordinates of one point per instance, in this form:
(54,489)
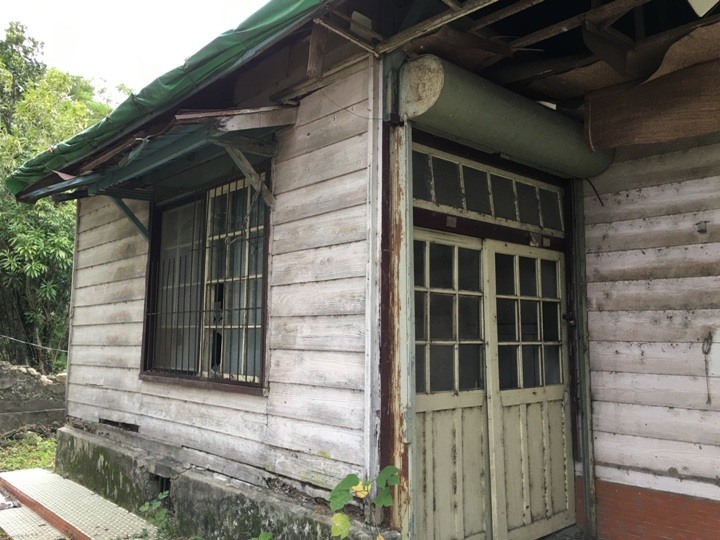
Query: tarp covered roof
(217,59)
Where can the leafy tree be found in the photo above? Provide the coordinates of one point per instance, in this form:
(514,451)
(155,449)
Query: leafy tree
(39,107)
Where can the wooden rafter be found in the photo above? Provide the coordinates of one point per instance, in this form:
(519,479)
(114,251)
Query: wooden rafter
(347,35)
(501,14)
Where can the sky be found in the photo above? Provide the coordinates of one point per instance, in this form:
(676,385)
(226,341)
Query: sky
(131,41)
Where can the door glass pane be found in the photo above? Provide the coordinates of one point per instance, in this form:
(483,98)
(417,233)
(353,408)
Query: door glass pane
(507,367)
(549,279)
(442,368)
(421,176)
(552,365)
(550,205)
(477,194)
(441,266)
(441,316)
(528,203)
(503,197)
(504,274)
(528,276)
(419,263)
(529,320)
(531,366)
(420,368)
(506,326)
(420,316)
(447,183)
(469,317)
(471,366)
(469,270)
(551,330)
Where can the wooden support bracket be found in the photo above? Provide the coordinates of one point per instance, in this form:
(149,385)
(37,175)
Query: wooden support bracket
(132,217)
(250,173)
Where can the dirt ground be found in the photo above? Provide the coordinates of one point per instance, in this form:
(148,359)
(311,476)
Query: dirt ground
(27,397)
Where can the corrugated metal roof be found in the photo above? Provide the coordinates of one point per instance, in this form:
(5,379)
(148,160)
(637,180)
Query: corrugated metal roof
(217,59)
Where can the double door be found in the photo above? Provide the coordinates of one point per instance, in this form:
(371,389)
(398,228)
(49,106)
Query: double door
(492,404)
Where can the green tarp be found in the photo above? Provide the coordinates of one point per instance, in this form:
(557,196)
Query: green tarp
(223,55)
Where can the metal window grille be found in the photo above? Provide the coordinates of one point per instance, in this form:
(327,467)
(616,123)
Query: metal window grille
(207,281)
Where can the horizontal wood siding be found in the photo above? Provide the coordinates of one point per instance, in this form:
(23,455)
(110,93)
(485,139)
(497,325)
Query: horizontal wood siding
(653,296)
(310,425)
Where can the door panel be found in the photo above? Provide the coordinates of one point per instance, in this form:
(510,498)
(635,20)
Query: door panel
(492,400)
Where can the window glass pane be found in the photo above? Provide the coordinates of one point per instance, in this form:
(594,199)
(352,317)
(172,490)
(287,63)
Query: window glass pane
(550,205)
(504,274)
(529,320)
(441,266)
(551,319)
(441,316)
(216,259)
(528,203)
(254,352)
(419,263)
(447,183)
(257,211)
(507,367)
(506,325)
(218,214)
(553,371)
(469,270)
(419,316)
(254,301)
(256,255)
(477,194)
(420,368)
(549,279)
(421,176)
(237,249)
(503,197)
(442,368)
(528,276)
(469,317)
(531,366)
(238,209)
(471,366)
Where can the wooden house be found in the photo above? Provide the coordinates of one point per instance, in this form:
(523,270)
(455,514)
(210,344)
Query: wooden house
(476,239)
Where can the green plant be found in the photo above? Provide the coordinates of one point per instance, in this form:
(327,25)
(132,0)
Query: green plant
(263,536)
(28,451)
(156,511)
(352,487)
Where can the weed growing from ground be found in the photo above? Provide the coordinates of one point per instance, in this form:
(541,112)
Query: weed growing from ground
(26,450)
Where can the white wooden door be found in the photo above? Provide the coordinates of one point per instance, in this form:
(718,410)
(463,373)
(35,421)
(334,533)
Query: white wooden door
(492,401)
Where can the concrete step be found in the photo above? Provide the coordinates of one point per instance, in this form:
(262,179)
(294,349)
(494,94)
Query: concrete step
(71,509)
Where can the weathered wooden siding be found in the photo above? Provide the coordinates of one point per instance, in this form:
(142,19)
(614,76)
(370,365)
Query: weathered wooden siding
(654,296)
(311,424)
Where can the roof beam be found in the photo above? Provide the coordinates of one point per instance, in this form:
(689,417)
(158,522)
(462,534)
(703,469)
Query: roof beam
(348,36)
(501,14)
(433,23)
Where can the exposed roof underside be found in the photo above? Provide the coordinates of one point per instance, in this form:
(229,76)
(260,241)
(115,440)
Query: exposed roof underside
(558,51)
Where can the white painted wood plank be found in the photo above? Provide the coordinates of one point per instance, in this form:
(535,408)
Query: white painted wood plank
(108,335)
(333,406)
(318,368)
(666,458)
(110,293)
(514,455)
(338,227)
(322,264)
(206,397)
(536,453)
(654,232)
(656,390)
(654,263)
(335,194)
(93,355)
(339,333)
(444,474)
(122,312)
(133,267)
(560,472)
(474,455)
(107,377)
(332,161)
(634,202)
(337,297)
(326,441)
(117,250)
(119,228)
(683,486)
(667,423)
(684,162)
(677,326)
(652,358)
(337,96)
(658,294)
(322,132)
(92,204)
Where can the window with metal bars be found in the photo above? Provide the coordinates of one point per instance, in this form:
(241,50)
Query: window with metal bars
(205,317)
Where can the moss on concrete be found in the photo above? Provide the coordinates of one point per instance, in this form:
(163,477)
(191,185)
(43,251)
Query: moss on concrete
(116,472)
